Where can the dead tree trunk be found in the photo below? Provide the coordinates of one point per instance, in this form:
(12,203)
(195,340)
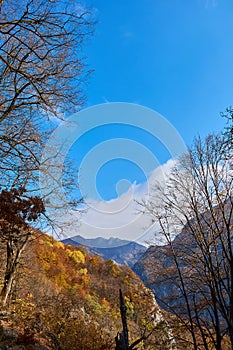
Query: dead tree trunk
(122,339)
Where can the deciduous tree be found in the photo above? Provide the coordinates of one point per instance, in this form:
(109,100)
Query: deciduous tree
(42,75)
(41,60)
(196,267)
(17,212)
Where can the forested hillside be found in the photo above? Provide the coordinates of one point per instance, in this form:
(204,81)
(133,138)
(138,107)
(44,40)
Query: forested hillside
(63,298)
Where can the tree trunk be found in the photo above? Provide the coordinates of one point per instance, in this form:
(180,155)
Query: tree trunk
(124,322)
(122,339)
(13,256)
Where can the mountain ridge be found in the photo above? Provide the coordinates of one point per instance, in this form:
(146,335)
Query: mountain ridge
(98,242)
(128,253)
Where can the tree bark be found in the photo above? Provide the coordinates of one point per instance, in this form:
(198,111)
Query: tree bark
(13,256)
(122,339)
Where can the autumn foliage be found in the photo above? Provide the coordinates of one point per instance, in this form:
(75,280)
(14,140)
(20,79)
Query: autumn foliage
(64,298)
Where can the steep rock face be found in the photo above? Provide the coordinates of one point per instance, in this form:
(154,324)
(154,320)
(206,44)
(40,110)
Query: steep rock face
(201,249)
(149,268)
(122,252)
(157,269)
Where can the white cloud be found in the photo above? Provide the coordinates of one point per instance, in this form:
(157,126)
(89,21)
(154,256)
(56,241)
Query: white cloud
(120,217)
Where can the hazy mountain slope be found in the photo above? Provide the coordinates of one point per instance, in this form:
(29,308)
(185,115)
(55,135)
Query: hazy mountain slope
(127,254)
(157,268)
(150,267)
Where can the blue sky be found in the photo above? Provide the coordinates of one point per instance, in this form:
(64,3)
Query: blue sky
(173,56)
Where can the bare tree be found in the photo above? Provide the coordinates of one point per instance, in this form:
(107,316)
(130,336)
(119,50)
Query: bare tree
(42,74)
(228,131)
(194,275)
(20,145)
(41,61)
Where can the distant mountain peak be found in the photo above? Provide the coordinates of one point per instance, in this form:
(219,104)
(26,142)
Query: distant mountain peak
(121,251)
(99,242)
